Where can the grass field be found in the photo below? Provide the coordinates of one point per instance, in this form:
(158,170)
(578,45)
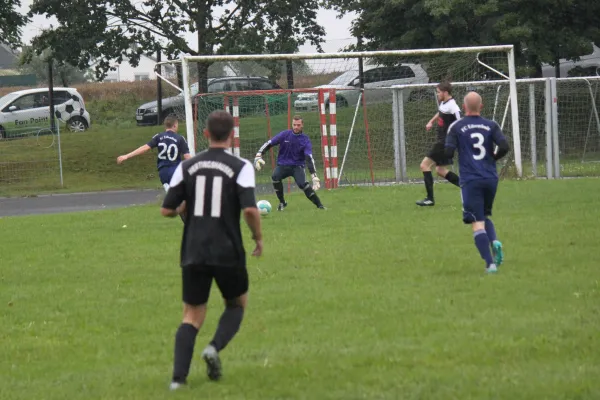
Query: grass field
(372,299)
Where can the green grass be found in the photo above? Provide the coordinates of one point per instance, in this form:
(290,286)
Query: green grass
(372,299)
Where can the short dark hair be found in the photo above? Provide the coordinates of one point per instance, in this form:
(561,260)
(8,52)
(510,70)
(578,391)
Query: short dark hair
(170,121)
(219,125)
(297,118)
(445,86)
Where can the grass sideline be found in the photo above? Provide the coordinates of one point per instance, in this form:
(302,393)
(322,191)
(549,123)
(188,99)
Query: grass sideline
(374,298)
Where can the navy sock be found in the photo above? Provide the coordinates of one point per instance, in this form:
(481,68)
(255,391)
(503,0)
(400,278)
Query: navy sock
(278,185)
(483,245)
(490,229)
(428,177)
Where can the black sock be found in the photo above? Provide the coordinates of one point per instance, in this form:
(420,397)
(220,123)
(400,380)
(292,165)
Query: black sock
(452,178)
(279,191)
(312,196)
(429,184)
(185,339)
(229,324)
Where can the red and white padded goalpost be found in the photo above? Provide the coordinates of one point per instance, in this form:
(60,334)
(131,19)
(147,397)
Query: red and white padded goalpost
(244,146)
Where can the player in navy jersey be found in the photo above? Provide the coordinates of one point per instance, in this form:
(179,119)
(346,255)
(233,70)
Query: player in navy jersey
(295,151)
(216,188)
(448,112)
(172,147)
(474,137)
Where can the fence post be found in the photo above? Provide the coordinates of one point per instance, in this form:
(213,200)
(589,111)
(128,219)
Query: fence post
(548,114)
(395,112)
(555,143)
(532,123)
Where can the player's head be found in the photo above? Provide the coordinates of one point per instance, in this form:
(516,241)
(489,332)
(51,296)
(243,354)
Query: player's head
(473,103)
(444,91)
(219,128)
(297,124)
(171,123)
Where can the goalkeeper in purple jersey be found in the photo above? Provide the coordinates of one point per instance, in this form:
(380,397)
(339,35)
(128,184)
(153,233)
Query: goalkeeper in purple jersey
(475,137)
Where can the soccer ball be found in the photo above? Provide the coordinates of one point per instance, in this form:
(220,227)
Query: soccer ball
(69,109)
(264,207)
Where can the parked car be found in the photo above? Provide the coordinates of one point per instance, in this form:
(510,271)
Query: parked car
(146,114)
(375,76)
(30,108)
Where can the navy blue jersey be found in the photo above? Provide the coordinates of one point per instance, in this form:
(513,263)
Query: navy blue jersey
(474,137)
(171,149)
(294,149)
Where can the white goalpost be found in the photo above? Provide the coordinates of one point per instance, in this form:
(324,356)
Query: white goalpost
(346,99)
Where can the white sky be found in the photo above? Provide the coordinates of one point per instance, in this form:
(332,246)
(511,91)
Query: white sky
(337,30)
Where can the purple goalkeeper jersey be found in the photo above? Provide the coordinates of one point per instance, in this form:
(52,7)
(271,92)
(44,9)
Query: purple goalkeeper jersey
(294,149)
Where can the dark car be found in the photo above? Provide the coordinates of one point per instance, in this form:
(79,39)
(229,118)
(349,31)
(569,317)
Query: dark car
(146,114)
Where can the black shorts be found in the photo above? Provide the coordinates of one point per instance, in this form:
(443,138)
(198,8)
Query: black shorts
(285,171)
(438,155)
(197,280)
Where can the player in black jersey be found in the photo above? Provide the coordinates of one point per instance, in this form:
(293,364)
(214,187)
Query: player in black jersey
(448,112)
(171,146)
(211,190)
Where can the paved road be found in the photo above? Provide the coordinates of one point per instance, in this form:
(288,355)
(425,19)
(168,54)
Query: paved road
(58,203)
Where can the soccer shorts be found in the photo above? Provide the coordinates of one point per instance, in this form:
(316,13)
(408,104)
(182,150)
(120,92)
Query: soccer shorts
(285,171)
(478,199)
(438,154)
(197,281)
(165,174)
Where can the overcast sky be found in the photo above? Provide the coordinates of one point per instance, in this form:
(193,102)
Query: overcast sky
(337,30)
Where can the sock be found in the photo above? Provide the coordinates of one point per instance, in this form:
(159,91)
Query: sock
(490,229)
(229,324)
(279,190)
(312,196)
(483,245)
(429,184)
(452,178)
(185,339)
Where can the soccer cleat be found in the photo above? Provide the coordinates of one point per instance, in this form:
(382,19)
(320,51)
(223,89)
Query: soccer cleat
(322,207)
(210,355)
(176,385)
(491,269)
(497,252)
(426,202)
(281,206)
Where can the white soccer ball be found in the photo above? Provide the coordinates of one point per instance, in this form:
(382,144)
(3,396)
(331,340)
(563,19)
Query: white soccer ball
(264,207)
(69,109)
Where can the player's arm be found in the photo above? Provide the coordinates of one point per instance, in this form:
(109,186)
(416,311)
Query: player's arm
(500,141)
(432,121)
(136,152)
(312,168)
(245,188)
(258,159)
(451,142)
(184,149)
(174,202)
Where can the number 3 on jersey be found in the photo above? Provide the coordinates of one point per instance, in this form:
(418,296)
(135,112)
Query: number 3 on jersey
(168,152)
(478,146)
(215,198)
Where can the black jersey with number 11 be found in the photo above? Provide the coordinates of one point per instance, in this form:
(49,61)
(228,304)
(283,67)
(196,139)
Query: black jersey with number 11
(216,186)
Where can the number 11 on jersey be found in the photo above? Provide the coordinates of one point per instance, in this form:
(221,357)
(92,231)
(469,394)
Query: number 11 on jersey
(215,197)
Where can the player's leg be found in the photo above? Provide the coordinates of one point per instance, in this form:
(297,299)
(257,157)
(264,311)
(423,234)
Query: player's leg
(300,178)
(279,174)
(473,214)
(425,166)
(446,173)
(233,284)
(165,176)
(196,283)
(489,197)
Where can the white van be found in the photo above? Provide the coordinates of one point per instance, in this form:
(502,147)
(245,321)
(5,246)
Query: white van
(30,108)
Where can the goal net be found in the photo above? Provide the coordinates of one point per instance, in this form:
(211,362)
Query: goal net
(345,100)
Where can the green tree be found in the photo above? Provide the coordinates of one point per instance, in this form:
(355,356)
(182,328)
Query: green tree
(110,30)
(66,74)
(565,28)
(11,22)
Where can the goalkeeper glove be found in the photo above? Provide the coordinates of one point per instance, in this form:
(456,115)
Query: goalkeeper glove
(316,182)
(258,161)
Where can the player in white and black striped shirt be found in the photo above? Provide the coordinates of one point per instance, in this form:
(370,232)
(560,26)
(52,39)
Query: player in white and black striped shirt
(448,112)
